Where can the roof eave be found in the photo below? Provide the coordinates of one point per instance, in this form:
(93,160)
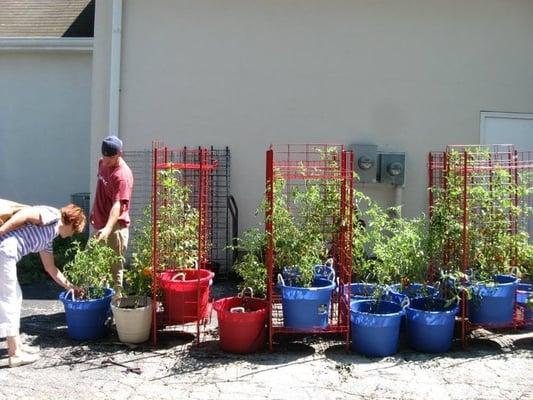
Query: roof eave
(46,44)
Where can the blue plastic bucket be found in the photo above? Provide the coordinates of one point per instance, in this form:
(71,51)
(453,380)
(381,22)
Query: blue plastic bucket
(86,319)
(430,323)
(493,304)
(375,327)
(524,291)
(306,308)
(413,291)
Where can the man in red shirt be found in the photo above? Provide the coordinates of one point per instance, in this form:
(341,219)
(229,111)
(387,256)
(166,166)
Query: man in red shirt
(110,213)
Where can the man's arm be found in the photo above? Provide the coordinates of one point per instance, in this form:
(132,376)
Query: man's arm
(28,214)
(114,214)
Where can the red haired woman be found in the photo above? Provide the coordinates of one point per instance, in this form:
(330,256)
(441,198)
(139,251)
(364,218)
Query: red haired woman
(31,230)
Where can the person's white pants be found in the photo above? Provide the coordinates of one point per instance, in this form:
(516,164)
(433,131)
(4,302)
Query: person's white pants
(10,293)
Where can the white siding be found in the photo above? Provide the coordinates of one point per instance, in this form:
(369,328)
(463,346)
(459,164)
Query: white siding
(406,75)
(44,125)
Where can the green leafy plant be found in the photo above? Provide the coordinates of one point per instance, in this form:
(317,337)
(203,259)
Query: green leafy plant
(494,237)
(388,249)
(250,266)
(177,223)
(300,234)
(90,267)
(177,235)
(306,221)
(138,275)
(524,256)
(495,202)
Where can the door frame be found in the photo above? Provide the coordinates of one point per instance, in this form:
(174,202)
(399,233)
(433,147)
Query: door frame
(484,115)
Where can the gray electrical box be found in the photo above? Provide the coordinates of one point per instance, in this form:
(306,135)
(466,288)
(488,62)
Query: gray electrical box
(392,168)
(366,162)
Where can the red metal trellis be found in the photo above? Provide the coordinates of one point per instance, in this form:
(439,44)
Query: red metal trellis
(454,177)
(182,292)
(330,165)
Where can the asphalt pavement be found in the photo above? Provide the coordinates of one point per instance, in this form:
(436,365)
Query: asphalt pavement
(494,366)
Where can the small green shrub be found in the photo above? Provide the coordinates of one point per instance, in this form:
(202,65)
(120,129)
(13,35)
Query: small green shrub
(90,268)
(177,224)
(138,276)
(306,222)
(177,235)
(388,249)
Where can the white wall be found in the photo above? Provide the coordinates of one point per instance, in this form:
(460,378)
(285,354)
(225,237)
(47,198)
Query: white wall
(407,75)
(44,125)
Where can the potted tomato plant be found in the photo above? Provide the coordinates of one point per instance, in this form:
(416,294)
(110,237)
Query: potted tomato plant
(88,315)
(133,312)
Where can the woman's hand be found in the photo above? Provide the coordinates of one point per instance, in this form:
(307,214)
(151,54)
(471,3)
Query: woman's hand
(78,292)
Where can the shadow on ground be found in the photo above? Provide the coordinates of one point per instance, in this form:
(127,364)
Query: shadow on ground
(477,348)
(525,344)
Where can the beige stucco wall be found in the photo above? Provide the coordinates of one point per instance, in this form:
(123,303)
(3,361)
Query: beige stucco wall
(44,125)
(407,75)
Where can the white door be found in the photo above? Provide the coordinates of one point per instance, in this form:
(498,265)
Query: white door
(507,128)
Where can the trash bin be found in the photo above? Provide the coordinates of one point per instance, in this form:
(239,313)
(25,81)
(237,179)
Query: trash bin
(83,200)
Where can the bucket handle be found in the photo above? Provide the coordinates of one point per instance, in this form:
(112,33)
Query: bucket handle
(281,281)
(331,275)
(237,310)
(245,291)
(71,291)
(179,276)
(405,302)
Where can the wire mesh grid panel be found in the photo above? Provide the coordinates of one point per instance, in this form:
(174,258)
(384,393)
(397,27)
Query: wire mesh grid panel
(140,163)
(181,237)
(221,256)
(83,200)
(480,213)
(309,199)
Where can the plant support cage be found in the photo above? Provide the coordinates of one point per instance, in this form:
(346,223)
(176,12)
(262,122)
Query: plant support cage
(223,219)
(330,167)
(485,194)
(191,169)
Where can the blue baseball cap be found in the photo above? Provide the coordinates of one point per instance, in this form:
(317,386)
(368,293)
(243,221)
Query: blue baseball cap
(111,146)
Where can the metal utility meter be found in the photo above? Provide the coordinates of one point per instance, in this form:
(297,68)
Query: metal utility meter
(366,162)
(392,168)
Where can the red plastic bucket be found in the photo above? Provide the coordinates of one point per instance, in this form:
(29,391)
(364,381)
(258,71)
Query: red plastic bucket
(241,323)
(186,294)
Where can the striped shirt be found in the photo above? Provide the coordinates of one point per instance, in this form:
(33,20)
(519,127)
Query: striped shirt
(35,238)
